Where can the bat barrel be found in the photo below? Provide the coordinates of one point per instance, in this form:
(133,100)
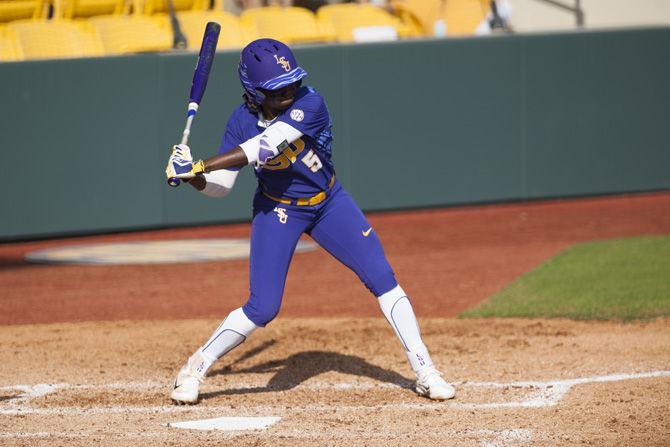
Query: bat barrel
(200,77)
(205,59)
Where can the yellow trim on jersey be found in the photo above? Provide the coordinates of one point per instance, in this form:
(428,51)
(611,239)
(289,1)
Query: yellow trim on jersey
(307,201)
(286,157)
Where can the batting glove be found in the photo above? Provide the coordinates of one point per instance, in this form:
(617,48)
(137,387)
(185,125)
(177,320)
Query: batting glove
(182,151)
(181,165)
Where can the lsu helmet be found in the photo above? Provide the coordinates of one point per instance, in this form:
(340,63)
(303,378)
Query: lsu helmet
(267,64)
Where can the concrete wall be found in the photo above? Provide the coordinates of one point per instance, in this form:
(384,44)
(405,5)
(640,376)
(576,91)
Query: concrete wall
(536,15)
(423,123)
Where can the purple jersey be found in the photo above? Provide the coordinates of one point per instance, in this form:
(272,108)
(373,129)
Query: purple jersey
(302,169)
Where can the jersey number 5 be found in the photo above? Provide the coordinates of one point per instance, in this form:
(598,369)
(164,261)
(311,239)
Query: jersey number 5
(312,161)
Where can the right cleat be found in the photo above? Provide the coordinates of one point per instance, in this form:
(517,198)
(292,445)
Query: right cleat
(186,388)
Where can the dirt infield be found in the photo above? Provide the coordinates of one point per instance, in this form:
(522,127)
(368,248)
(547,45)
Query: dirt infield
(88,353)
(341,382)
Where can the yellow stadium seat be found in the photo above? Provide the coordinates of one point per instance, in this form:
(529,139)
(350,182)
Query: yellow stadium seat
(411,21)
(420,14)
(9,49)
(53,39)
(464,16)
(192,24)
(161,6)
(344,18)
(22,9)
(90,37)
(72,9)
(288,24)
(131,34)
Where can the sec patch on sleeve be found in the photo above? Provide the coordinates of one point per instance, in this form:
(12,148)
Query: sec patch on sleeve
(297,115)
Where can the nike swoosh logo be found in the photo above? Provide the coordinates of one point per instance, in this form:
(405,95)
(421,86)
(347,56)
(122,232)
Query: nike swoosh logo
(366,233)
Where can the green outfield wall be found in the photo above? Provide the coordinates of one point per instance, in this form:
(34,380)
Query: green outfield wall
(416,124)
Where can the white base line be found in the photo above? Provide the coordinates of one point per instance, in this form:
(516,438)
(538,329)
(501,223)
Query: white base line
(542,394)
(87,434)
(548,394)
(486,438)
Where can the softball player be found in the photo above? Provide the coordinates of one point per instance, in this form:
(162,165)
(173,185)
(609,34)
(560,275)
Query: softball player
(283,129)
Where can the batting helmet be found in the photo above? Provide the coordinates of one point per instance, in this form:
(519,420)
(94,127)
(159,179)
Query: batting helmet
(267,64)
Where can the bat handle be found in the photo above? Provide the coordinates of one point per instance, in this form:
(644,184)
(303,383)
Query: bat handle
(184,137)
(187,129)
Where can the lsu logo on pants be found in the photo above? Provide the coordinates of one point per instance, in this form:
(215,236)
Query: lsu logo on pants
(281,214)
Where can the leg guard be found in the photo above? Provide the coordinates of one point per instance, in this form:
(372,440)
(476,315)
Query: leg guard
(230,334)
(398,311)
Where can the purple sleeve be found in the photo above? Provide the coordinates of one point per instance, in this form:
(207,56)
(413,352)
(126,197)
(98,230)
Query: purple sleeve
(234,136)
(308,114)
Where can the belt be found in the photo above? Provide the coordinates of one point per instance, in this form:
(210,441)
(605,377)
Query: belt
(306,201)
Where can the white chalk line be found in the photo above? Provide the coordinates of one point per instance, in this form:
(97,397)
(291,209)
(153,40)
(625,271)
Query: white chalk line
(542,394)
(35,390)
(548,394)
(81,434)
(487,438)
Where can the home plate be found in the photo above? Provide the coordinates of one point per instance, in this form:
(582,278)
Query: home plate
(227,423)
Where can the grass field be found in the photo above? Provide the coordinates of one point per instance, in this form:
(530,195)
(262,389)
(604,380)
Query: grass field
(625,279)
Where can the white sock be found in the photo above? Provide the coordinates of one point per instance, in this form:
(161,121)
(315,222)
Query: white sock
(400,315)
(231,333)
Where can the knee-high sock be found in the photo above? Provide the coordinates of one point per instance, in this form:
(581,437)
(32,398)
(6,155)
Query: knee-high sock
(231,333)
(398,311)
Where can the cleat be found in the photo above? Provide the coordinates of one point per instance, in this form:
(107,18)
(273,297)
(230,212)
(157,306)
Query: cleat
(186,388)
(430,384)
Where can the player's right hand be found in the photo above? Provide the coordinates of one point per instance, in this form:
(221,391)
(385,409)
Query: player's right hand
(182,151)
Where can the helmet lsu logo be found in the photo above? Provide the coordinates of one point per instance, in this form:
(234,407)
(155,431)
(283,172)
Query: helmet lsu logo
(286,65)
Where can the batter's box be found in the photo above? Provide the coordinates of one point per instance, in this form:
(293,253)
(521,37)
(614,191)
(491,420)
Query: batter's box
(87,397)
(70,398)
(495,395)
(9,395)
(150,397)
(533,394)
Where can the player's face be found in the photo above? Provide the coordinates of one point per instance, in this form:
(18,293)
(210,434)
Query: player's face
(280,99)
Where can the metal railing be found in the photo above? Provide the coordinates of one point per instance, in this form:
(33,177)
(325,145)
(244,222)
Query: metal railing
(576,10)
